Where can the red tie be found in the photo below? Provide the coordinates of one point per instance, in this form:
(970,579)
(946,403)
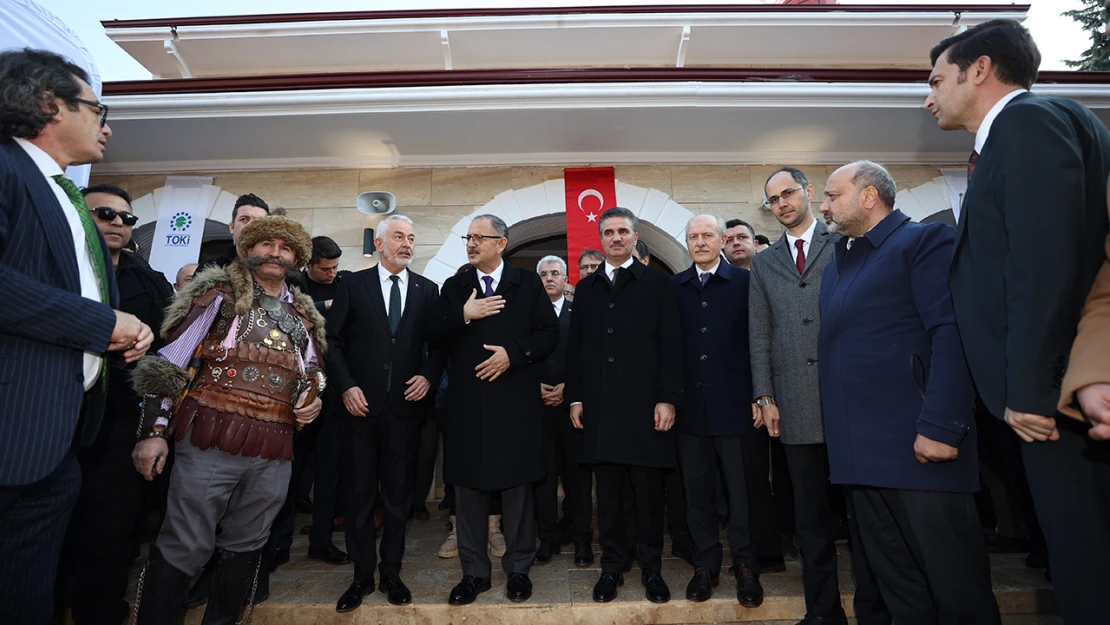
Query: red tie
(971,162)
(801,260)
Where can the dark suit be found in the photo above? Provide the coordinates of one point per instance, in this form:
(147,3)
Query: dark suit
(562,456)
(716,416)
(493,437)
(893,369)
(381,446)
(43,336)
(624,357)
(1042,169)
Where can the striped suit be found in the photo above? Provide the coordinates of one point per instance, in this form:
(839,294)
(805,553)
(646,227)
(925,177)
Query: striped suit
(45,328)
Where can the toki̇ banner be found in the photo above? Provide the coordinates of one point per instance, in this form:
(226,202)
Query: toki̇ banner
(179,230)
(589,192)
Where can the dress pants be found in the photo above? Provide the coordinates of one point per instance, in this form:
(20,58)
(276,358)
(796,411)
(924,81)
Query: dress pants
(647,486)
(1070,482)
(813,519)
(927,552)
(103,533)
(562,449)
(674,493)
(472,523)
(426,458)
(378,449)
(868,602)
(781,490)
(764,508)
(316,446)
(699,457)
(33,519)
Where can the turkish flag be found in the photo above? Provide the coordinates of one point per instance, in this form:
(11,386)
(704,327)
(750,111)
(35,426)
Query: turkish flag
(589,191)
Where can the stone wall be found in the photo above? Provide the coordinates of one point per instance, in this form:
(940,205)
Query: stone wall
(435,199)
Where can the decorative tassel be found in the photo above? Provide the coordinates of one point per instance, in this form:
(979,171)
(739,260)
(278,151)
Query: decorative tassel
(229,340)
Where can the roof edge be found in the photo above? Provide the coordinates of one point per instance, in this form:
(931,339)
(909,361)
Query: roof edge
(436,78)
(272,18)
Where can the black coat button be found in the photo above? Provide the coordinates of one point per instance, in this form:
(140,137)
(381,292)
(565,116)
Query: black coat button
(699,385)
(611,359)
(612,305)
(610,330)
(810,361)
(703,357)
(394,341)
(385,367)
(802,284)
(704,304)
(807,321)
(704,330)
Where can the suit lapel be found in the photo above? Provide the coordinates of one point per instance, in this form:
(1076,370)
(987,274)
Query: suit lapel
(54,223)
(781,250)
(377,303)
(820,239)
(412,295)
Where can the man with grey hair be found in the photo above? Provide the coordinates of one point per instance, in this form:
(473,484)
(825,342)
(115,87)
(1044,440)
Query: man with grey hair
(624,379)
(184,276)
(897,401)
(562,443)
(497,323)
(376,331)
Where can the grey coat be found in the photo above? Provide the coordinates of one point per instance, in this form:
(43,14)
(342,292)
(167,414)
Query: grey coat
(784,319)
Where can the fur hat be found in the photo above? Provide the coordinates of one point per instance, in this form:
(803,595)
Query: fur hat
(273,227)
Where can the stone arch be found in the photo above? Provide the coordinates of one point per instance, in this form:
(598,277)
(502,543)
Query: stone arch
(538,211)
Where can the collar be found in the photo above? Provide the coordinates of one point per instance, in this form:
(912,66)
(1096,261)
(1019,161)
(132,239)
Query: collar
(496,274)
(880,231)
(559,303)
(46,164)
(985,127)
(807,236)
(711,271)
(383,274)
(628,263)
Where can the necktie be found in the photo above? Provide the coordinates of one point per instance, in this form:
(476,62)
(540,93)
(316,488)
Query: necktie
(613,276)
(800,261)
(972,161)
(704,278)
(489,286)
(92,241)
(394,304)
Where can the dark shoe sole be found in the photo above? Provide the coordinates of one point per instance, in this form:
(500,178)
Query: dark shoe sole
(583,563)
(778,568)
(347,609)
(751,604)
(391,600)
(519,598)
(620,582)
(481,589)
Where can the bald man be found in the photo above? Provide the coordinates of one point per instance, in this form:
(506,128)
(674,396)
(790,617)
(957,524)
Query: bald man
(184,276)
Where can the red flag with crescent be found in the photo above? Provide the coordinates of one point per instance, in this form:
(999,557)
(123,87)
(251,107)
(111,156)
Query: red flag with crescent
(589,191)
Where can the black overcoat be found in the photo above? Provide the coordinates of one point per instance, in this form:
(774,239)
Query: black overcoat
(624,356)
(493,435)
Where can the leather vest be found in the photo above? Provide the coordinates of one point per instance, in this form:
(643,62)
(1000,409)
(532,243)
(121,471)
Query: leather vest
(241,399)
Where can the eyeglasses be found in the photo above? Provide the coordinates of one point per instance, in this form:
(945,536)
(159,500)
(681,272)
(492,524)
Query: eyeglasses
(477,238)
(108,215)
(554,273)
(101,109)
(588,266)
(784,196)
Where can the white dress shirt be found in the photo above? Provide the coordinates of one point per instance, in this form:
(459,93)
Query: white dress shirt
(985,127)
(387,287)
(711,271)
(558,304)
(90,288)
(807,236)
(609,269)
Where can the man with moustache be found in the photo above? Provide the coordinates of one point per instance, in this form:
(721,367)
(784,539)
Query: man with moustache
(53,344)
(1018,312)
(376,329)
(248,207)
(713,308)
(252,347)
(898,405)
(102,533)
(785,321)
(562,443)
(739,243)
(498,325)
(624,379)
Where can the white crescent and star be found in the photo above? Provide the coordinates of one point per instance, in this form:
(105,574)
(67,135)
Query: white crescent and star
(591,216)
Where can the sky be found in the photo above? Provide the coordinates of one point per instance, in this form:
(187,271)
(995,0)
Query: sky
(1059,38)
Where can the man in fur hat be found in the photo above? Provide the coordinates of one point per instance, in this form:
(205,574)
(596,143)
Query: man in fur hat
(239,372)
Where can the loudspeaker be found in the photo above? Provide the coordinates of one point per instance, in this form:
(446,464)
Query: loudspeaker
(376,203)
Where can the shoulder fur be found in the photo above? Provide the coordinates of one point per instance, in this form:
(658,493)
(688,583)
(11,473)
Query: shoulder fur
(182,303)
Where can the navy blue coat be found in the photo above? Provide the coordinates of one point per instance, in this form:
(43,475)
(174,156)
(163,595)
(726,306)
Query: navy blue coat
(891,361)
(45,327)
(715,361)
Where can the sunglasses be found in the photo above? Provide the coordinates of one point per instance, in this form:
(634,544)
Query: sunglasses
(108,215)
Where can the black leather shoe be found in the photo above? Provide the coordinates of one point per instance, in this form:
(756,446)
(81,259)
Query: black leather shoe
(546,552)
(519,587)
(421,514)
(352,597)
(789,549)
(749,592)
(583,554)
(701,585)
(467,590)
(395,590)
(772,564)
(605,590)
(655,589)
(330,554)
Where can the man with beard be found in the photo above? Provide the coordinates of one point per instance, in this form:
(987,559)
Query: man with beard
(376,329)
(897,402)
(562,443)
(624,379)
(253,347)
(493,438)
(739,243)
(102,532)
(247,208)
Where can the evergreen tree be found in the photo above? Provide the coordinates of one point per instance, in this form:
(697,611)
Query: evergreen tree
(1093,18)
